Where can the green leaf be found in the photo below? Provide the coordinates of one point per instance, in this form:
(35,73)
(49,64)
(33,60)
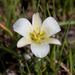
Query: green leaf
(52,65)
(71,61)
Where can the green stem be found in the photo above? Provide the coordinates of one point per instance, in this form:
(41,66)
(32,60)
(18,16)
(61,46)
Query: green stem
(67,29)
(71,60)
(66,23)
(37,62)
(42,11)
(48,10)
(54,8)
(38,5)
(27,67)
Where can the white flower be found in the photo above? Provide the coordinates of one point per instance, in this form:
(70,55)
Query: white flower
(37,34)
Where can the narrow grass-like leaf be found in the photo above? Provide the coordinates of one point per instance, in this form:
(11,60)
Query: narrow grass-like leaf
(66,35)
(24,13)
(71,60)
(66,23)
(38,5)
(48,10)
(54,8)
(42,11)
(3,65)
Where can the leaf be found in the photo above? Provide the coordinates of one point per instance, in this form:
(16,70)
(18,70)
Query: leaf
(71,61)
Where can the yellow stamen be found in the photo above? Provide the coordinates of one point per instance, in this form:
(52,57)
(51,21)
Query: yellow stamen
(41,32)
(37,36)
(33,33)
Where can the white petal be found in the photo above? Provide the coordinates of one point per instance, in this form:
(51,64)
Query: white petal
(51,26)
(36,21)
(52,41)
(23,41)
(40,50)
(22,26)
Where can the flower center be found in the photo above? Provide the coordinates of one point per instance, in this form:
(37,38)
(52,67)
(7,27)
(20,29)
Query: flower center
(37,37)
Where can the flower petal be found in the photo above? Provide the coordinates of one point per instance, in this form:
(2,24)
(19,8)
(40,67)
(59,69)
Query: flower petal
(22,26)
(51,26)
(52,41)
(40,50)
(36,21)
(23,41)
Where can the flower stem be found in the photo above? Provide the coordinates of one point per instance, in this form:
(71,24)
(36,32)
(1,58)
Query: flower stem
(38,67)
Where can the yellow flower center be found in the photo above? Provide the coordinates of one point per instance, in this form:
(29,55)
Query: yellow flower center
(37,37)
